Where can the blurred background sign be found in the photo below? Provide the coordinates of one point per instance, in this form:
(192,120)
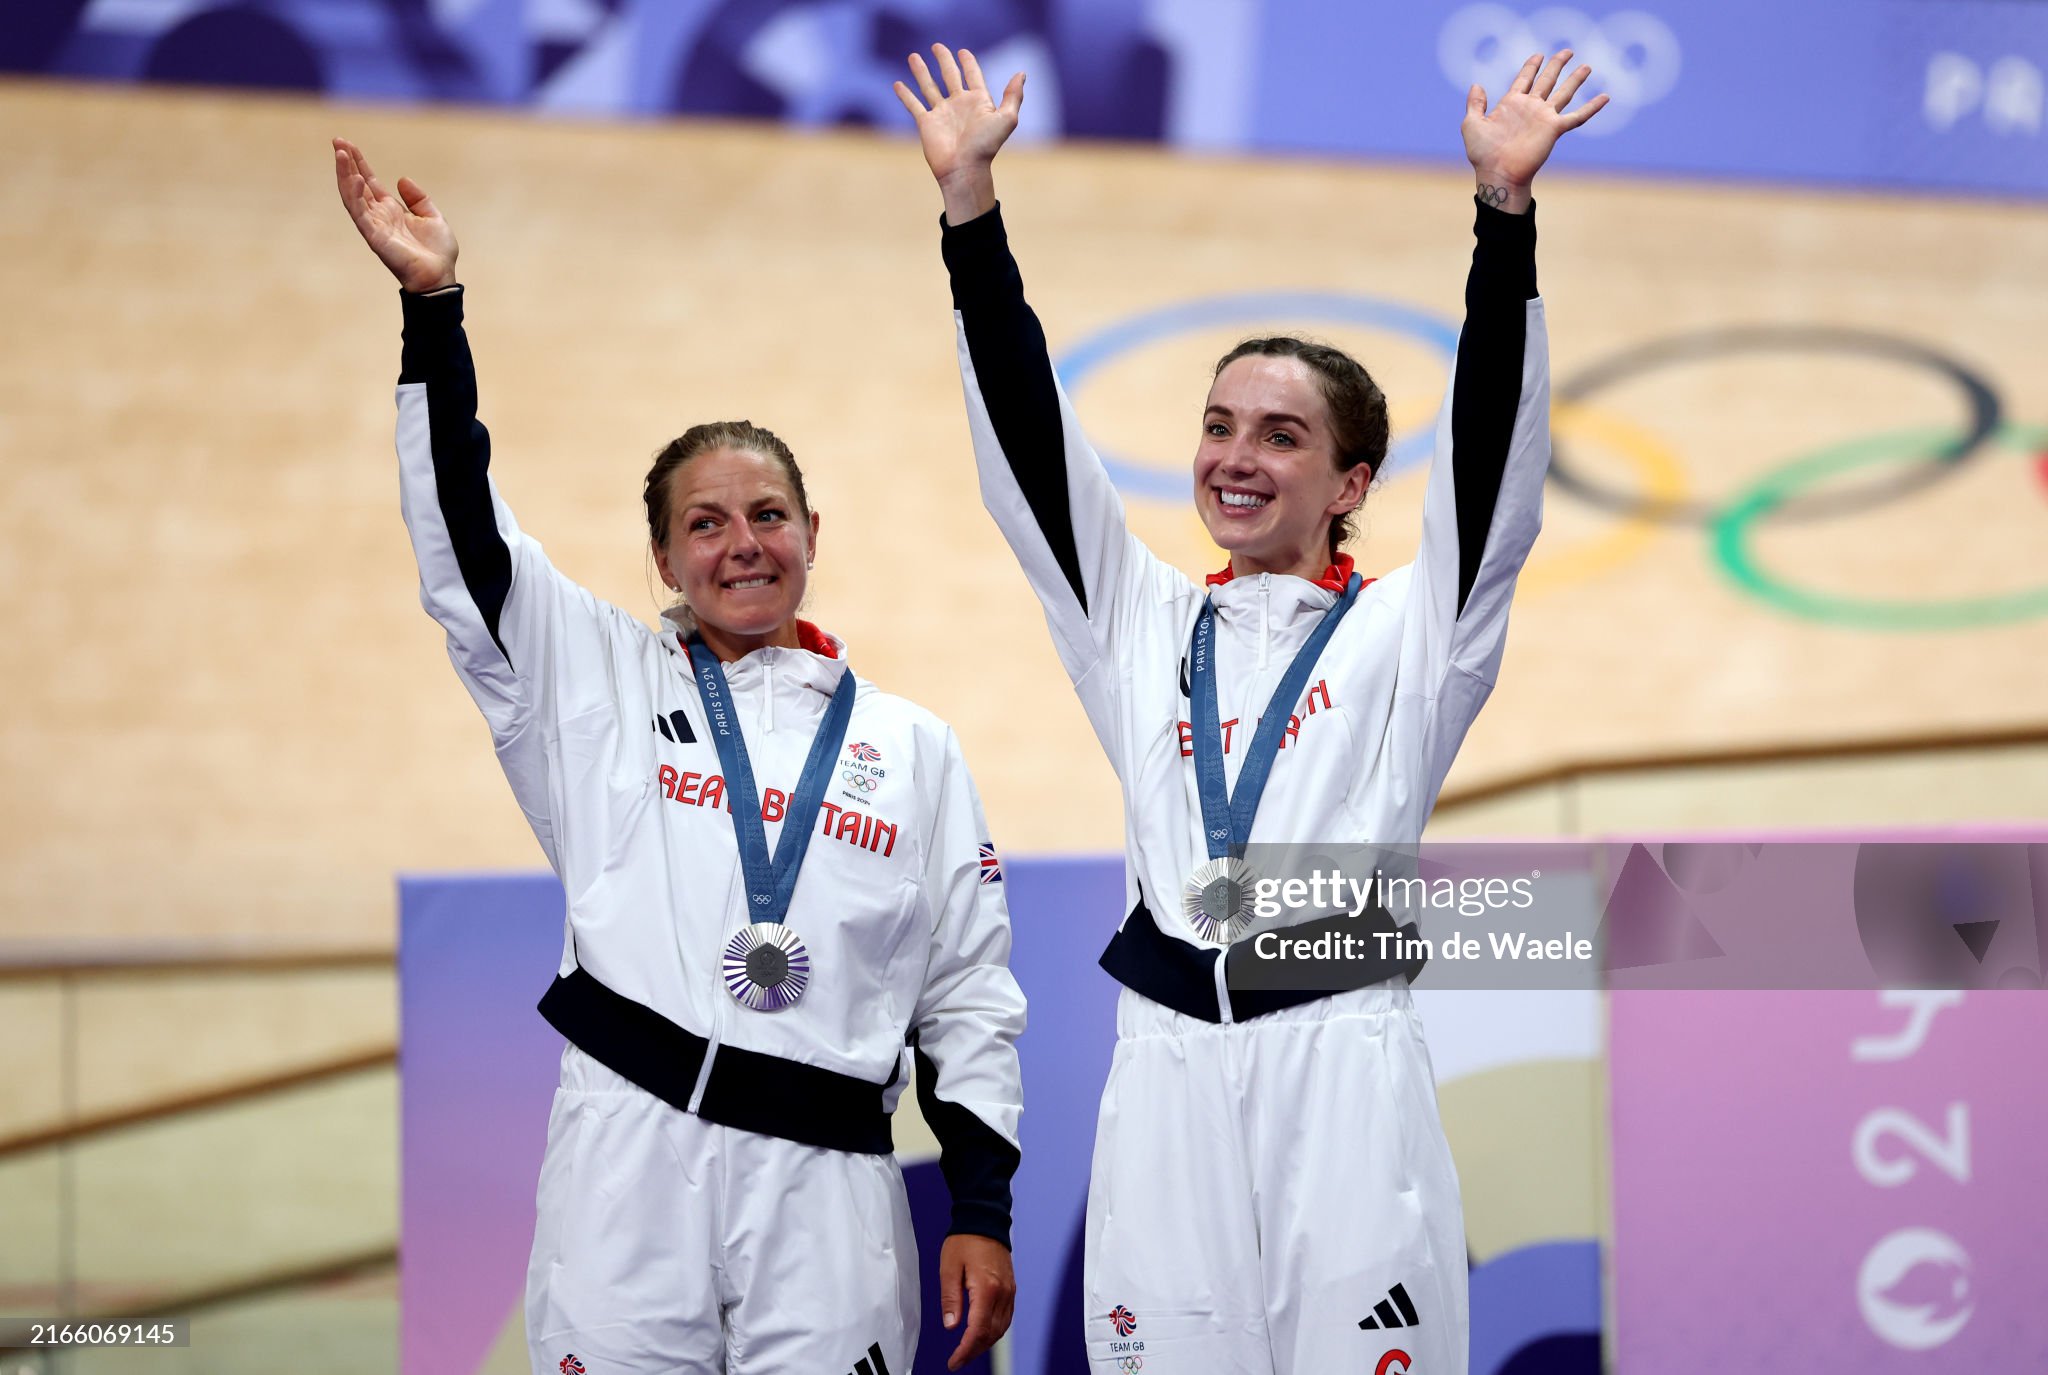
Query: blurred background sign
(1937,93)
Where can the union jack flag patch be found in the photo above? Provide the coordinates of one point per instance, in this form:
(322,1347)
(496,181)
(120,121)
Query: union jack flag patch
(991,867)
(863,751)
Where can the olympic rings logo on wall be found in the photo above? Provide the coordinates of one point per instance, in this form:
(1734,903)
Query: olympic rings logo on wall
(1980,403)
(1732,539)
(1901,464)
(1092,353)
(1635,56)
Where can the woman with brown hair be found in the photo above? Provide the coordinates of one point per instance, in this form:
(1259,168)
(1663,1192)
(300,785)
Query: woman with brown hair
(780,900)
(1271,1189)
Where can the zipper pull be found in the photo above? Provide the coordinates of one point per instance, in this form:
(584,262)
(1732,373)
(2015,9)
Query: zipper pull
(1265,605)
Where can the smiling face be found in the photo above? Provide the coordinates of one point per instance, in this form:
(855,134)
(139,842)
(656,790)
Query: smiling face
(739,546)
(1267,480)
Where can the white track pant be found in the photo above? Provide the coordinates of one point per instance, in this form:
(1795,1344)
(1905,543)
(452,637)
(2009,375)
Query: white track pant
(1260,1190)
(668,1245)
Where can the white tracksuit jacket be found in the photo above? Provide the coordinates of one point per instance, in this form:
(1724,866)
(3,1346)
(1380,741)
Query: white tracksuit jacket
(1394,691)
(598,724)
(1320,1188)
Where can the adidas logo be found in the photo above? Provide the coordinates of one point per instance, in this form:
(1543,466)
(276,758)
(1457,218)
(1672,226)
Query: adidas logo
(676,726)
(1384,1318)
(872,1363)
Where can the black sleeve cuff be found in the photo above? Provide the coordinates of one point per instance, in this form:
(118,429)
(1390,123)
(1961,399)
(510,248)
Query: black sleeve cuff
(976,1161)
(431,321)
(1504,256)
(982,1220)
(978,259)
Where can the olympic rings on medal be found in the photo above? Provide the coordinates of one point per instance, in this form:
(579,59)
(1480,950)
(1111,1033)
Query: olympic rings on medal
(1979,399)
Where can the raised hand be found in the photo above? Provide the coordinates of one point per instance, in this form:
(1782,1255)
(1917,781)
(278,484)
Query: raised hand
(961,128)
(1507,147)
(405,231)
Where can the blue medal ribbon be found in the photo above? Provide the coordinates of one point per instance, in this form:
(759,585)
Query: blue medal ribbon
(1227,818)
(770,882)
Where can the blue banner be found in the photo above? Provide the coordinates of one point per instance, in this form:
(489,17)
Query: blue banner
(1908,92)
(1932,93)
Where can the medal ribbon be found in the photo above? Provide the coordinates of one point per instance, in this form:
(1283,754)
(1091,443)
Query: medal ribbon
(770,882)
(1227,818)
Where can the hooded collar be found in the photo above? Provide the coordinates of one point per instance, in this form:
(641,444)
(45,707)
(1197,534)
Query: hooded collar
(825,646)
(682,621)
(1334,577)
(817,664)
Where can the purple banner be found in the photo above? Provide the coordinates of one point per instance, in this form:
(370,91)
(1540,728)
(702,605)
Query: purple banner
(1902,92)
(477,1069)
(1829,1181)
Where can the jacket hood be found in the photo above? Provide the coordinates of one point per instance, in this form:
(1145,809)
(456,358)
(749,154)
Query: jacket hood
(817,665)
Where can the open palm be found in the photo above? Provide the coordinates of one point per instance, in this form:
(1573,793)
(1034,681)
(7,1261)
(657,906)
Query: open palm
(963,127)
(405,231)
(1514,141)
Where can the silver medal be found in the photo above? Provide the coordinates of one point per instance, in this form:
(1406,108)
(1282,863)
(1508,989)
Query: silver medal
(1218,900)
(766,966)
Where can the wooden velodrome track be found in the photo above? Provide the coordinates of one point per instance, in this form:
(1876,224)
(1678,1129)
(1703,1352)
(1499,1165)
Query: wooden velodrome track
(225,711)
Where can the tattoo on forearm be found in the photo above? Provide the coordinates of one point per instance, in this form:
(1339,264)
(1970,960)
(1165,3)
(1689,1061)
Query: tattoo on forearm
(1495,196)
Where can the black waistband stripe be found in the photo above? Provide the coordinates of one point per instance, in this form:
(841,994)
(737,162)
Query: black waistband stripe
(747,1089)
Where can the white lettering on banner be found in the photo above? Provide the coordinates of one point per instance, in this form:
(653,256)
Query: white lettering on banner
(2012,97)
(1635,56)
(2009,94)
(1913,1287)
(1954,86)
(1921,1005)
(1888,1172)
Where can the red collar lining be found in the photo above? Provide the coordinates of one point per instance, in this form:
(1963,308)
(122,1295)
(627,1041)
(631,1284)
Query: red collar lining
(809,637)
(1334,577)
